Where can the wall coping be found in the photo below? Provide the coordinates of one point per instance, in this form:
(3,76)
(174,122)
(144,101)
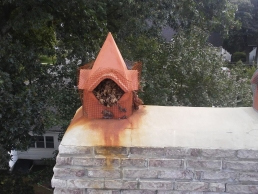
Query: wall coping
(164,126)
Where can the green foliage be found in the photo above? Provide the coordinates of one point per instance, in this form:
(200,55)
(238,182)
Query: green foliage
(243,74)
(34,97)
(187,72)
(43,174)
(239,39)
(244,71)
(25,35)
(4,159)
(15,183)
(239,56)
(46,59)
(210,15)
(249,72)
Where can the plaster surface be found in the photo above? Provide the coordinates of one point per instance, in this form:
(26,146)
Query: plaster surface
(164,126)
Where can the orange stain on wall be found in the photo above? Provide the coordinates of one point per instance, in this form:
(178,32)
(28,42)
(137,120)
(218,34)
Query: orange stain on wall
(110,131)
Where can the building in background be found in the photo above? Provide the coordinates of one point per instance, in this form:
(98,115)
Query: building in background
(43,147)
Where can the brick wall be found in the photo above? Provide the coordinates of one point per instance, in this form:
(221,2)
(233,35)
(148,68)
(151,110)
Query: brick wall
(169,170)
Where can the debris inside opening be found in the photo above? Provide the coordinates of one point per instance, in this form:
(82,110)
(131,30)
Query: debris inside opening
(108,92)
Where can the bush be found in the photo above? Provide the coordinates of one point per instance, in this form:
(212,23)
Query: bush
(239,56)
(46,59)
(15,183)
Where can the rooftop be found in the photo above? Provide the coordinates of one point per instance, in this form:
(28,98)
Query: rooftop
(164,126)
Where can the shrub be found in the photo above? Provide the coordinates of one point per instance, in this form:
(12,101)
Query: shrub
(239,56)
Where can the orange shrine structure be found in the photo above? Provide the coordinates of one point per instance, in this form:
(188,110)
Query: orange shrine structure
(109,65)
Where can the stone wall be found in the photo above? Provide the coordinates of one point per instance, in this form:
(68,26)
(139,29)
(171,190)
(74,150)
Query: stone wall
(169,170)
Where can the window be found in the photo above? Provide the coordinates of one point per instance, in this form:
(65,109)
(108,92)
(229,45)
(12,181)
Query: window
(42,142)
(49,141)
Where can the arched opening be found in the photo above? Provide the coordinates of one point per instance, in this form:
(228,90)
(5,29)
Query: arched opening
(108,92)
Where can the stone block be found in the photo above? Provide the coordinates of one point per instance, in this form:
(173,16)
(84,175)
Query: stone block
(86,183)
(195,152)
(89,162)
(247,154)
(243,189)
(68,191)
(217,187)
(176,174)
(180,192)
(218,153)
(134,162)
(156,185)
(60,160)
(96,162)
(120,184)
(171,152)
(140,173)
(192,186)
(248,176)
(118,151)
(147,152)
(75,150)
(219,176)
(102,173)
(69,172)
(204,164)
(59,183)
(138,192)
(165,163)
(102,191)
(240,165)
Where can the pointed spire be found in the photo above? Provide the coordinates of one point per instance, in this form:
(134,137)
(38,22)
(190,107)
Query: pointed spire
(109,64)
(110,56)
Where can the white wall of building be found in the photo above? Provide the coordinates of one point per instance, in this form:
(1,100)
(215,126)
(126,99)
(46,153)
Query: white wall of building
(14,158)
(252,55)
(225,55)
(39,153)
(36,153)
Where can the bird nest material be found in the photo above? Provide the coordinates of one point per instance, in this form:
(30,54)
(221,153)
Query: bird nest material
(108,92)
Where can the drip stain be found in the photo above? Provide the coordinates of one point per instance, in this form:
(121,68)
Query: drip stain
(112,133)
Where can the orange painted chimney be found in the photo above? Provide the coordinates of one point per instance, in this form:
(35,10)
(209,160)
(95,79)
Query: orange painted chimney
(109,65)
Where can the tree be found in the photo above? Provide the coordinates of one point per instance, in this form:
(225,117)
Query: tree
(29,99)
(241,39)
(187,72)
(15,183)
